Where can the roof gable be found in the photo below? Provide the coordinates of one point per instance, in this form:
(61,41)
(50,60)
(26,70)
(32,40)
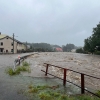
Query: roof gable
(2,36)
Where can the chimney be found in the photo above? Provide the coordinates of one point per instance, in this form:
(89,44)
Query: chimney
(0,33)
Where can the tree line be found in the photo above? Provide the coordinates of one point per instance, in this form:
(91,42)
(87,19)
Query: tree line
(45,47)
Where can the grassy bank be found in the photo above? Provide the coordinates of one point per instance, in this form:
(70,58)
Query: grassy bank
(46,92)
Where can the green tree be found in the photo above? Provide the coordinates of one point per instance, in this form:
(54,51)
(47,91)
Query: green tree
(68,47)
(79,50)
(93,41)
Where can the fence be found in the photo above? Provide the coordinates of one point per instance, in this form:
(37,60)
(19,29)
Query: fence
(17,61)
(64,78)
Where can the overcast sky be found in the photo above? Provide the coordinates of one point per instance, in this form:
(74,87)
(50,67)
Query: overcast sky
(50,21)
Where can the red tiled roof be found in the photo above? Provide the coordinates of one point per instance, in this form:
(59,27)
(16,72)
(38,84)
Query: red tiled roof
(59,49)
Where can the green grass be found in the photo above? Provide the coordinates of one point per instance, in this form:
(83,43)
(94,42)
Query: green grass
(98,92)
(11,72)
(25,67)
(46,92)
(25,63)
(45,96)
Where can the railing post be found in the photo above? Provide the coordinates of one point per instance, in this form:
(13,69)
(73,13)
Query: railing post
(82,84)
(46,70)
(19,61)
(64,79)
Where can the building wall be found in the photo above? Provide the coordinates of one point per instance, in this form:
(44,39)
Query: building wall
(21,46)
(7,45)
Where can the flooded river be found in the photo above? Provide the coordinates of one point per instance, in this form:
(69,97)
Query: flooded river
(11,86)
(88,64)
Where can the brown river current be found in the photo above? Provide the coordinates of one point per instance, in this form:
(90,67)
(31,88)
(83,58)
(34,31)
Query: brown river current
(88,64)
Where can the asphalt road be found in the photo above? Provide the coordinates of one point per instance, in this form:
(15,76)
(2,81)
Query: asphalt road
(11,87)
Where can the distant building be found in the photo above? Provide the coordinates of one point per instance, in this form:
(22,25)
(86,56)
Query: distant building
(28,46)
(73,50)
(59,49)
(6,44)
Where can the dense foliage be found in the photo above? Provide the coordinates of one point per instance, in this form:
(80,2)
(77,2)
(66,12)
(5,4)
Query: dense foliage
(80,50)
(68,47)
(45,47)
(39,47)
(92,44)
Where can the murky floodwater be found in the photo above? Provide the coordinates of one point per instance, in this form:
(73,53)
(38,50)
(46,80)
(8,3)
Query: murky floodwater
(88,64)
(13,87)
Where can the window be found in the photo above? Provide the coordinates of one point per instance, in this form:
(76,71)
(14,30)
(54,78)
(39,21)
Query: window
(6,51)
(11,50)
(1,43)
(11,44)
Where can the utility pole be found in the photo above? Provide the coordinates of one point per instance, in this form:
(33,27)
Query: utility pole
(13,43)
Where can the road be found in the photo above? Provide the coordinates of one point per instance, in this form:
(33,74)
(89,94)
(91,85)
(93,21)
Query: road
(11,86)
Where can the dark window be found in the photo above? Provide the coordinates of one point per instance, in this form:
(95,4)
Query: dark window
(6,51)
(11,50)
(1,50)
(1,43)
(12,44)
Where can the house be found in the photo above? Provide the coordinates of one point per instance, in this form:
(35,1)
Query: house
(6,44)
(59,49)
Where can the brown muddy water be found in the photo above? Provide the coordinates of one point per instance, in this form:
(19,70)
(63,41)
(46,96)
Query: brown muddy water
(88,64)
(11,88)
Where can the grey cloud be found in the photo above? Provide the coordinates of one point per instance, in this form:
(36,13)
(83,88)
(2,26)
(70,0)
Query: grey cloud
(52,21)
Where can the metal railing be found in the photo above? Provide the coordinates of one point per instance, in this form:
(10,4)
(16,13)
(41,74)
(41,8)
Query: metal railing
(17,61)
(64,78)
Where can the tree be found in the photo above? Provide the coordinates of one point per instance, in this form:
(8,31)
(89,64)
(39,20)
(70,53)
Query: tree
(68,47)
(79,50)
(93,41)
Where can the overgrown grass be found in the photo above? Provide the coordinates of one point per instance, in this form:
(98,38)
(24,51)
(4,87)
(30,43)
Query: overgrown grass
(98,92)
(25,67)
(25,63)
(11,72)
(50,93)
